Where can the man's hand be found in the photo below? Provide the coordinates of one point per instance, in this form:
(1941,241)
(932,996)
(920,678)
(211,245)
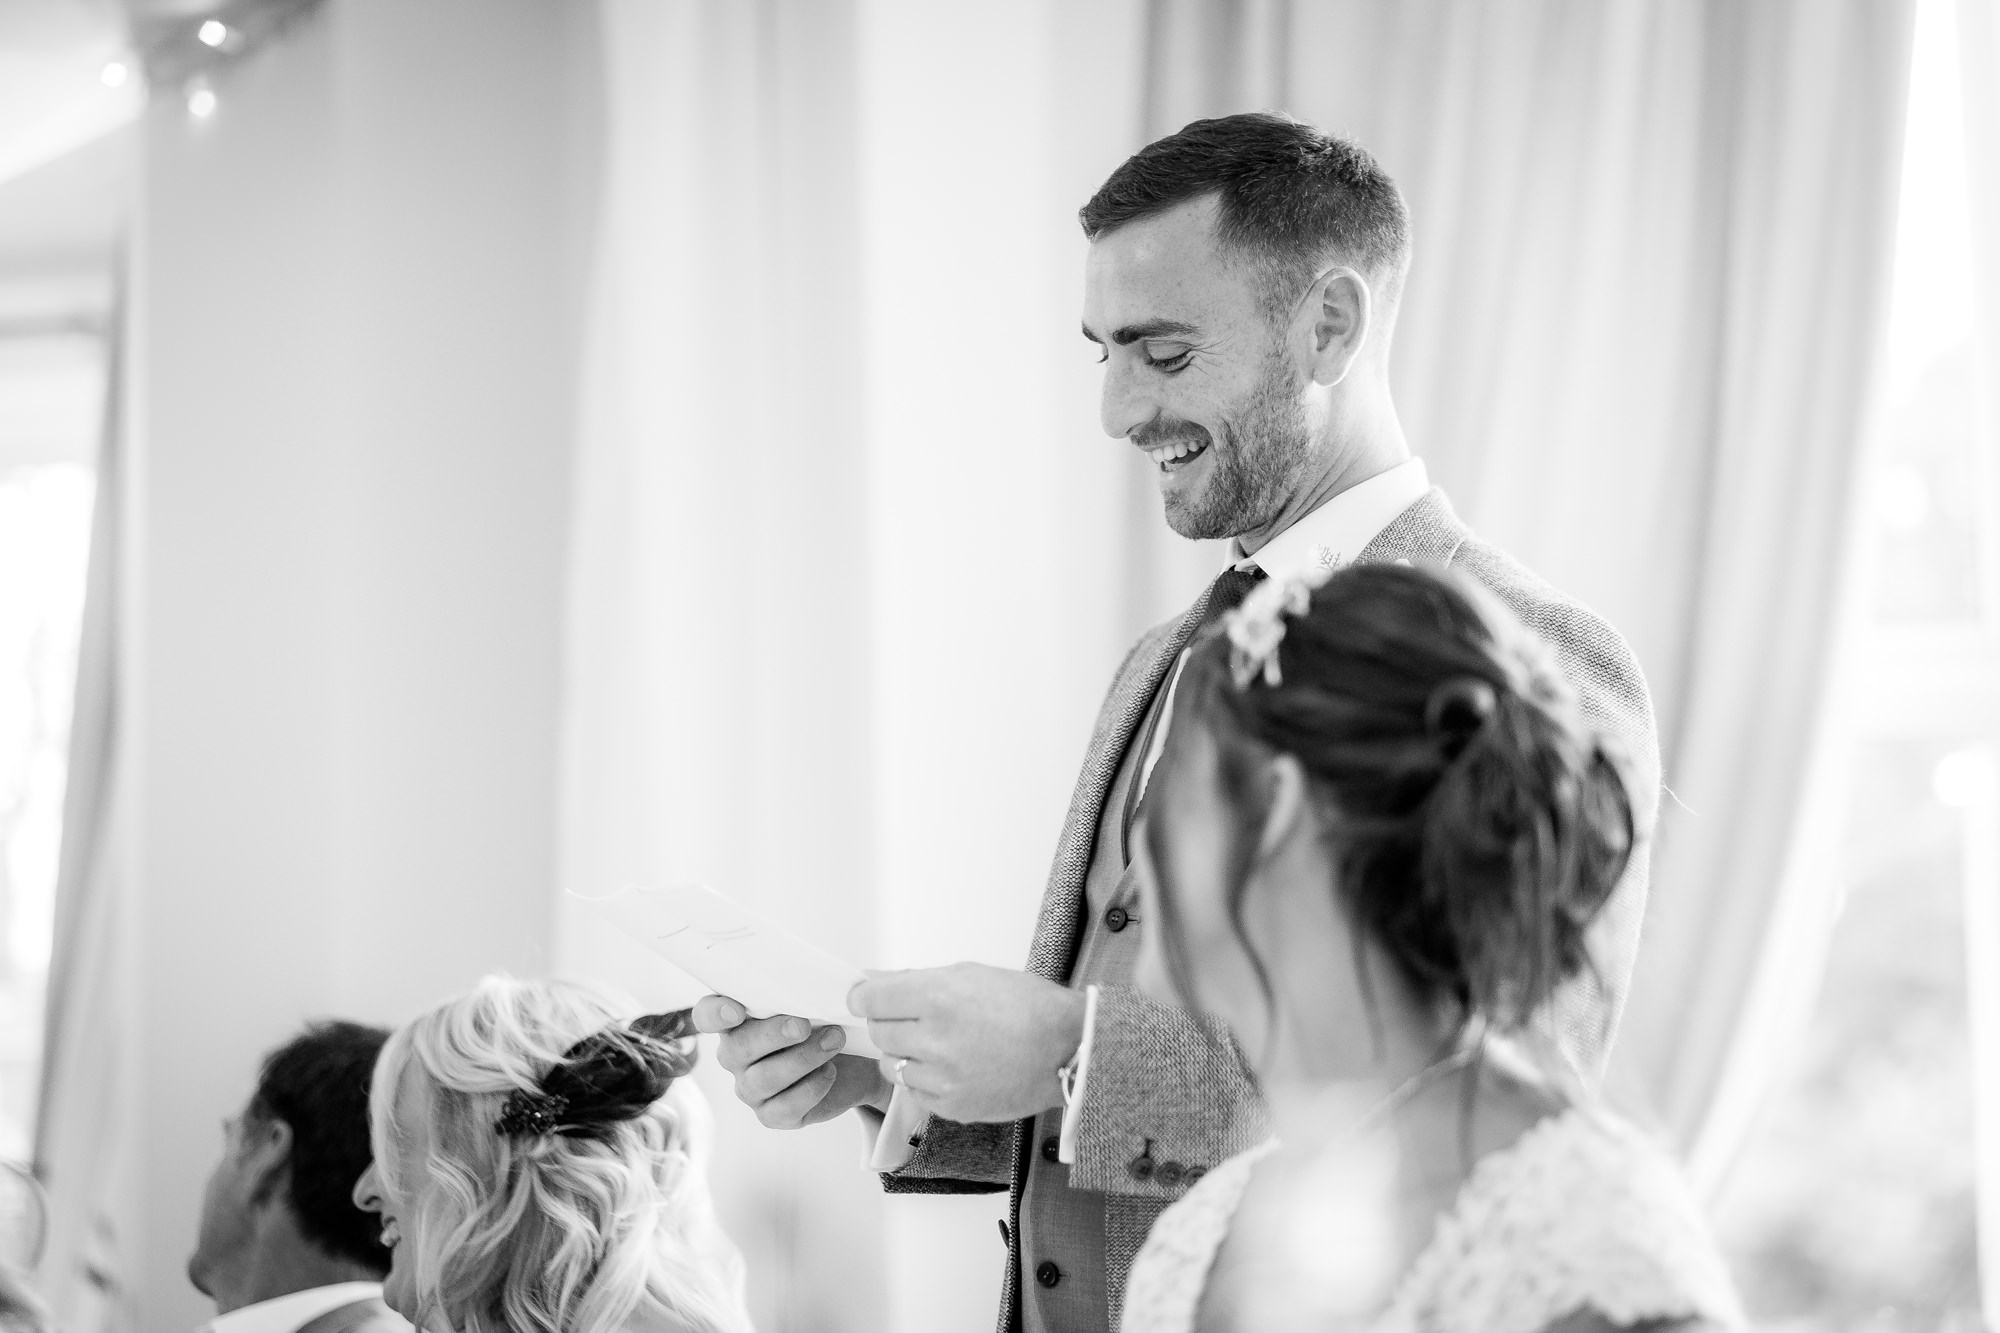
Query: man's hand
(982,1043)
(787,1071)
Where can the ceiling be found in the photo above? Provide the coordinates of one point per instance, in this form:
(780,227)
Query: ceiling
(66,167)
(52,96)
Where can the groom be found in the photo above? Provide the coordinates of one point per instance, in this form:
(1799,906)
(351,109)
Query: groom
(1242,283)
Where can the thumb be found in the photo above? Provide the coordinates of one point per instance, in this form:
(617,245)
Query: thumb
(718,1013)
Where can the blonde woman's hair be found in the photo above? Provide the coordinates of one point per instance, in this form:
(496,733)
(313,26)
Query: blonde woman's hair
(546,1233)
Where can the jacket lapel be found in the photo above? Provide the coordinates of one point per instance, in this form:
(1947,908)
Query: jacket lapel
(1428,530)
(1058,932)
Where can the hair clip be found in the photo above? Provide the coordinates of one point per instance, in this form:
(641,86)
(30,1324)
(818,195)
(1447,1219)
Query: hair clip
(528,1114)
(1257,626)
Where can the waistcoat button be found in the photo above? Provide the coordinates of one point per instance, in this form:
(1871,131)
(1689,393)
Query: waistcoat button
(1047,1273)
(1051,1149)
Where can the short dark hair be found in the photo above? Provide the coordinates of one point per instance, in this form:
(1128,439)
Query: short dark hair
(1292,198)
(317,1083)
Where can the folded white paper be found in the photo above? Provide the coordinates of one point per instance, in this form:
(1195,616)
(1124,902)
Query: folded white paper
(736,951)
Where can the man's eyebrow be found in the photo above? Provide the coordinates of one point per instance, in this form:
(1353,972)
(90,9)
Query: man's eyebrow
(1152,328)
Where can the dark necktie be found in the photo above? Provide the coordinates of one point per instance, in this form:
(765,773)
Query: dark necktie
(1231,586)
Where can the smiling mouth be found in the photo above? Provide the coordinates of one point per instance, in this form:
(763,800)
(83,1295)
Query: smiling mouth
(390,1235)
(1177,454)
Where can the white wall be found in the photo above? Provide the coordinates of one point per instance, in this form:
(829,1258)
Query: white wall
(356,292)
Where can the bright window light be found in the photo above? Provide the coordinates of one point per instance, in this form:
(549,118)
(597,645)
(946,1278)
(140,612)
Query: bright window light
(1963,778)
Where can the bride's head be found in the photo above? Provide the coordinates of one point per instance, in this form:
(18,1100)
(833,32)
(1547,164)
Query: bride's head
(1378,791)
(537,1168)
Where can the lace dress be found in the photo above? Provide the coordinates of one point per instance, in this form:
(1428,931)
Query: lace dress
(1582,1211)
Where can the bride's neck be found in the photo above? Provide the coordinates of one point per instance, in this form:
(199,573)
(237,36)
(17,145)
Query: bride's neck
(1322,1067)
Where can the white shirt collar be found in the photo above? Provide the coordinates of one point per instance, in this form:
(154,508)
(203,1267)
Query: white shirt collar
(288,1314)
(1333,534)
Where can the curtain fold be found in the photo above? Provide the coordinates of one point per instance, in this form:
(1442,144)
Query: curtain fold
(1651,258)
(85,1124)
(715,700)
(1979,83)
(844,592)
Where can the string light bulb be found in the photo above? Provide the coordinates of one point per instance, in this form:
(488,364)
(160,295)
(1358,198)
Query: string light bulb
(213,32)
(201,100)
(114,74)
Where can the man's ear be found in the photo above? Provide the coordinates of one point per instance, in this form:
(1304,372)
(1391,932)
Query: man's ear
(1340,308)
(267,1157)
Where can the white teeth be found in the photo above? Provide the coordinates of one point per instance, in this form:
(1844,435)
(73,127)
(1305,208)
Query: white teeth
(1168,453)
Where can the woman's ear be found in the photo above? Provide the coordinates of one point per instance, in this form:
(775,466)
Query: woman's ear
(1289,815)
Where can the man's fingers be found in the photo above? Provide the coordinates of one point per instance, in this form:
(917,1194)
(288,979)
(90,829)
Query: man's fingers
(856,1080)
(889,995)
(901,1036)
(718,1013)
(917,1076)
(789,1109)
(770,1076)
(753,1039)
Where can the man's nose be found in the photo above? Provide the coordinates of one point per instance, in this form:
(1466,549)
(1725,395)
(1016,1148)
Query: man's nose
(1124,406)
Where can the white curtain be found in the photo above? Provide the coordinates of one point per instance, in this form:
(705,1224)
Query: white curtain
(1979,82)
(843,589)
(718,707)
(1651,263)
(85,1124)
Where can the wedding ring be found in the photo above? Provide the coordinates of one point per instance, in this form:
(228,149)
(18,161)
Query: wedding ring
(898,1075)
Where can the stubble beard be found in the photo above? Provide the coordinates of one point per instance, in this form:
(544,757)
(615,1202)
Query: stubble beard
(1253,466)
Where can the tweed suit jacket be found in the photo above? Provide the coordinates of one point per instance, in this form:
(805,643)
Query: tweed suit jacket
(1153,1074)
(363,1316)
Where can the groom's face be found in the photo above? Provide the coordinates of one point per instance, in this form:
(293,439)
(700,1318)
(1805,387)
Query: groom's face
(1196,372)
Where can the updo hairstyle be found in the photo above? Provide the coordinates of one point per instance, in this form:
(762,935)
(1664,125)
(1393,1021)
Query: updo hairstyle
(1479,822)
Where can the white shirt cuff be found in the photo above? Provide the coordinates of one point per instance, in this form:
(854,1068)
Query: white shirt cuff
(892,1149)
(1079,1085)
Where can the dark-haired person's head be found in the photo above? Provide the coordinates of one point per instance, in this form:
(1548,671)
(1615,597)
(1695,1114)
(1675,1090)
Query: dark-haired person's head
(1242,284)
(21,1311)
(278,1214)
(1407,806)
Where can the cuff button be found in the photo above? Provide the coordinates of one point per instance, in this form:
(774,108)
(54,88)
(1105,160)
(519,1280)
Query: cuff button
(1169,1174)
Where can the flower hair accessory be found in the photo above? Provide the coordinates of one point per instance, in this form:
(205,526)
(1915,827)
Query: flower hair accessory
(1257,626)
